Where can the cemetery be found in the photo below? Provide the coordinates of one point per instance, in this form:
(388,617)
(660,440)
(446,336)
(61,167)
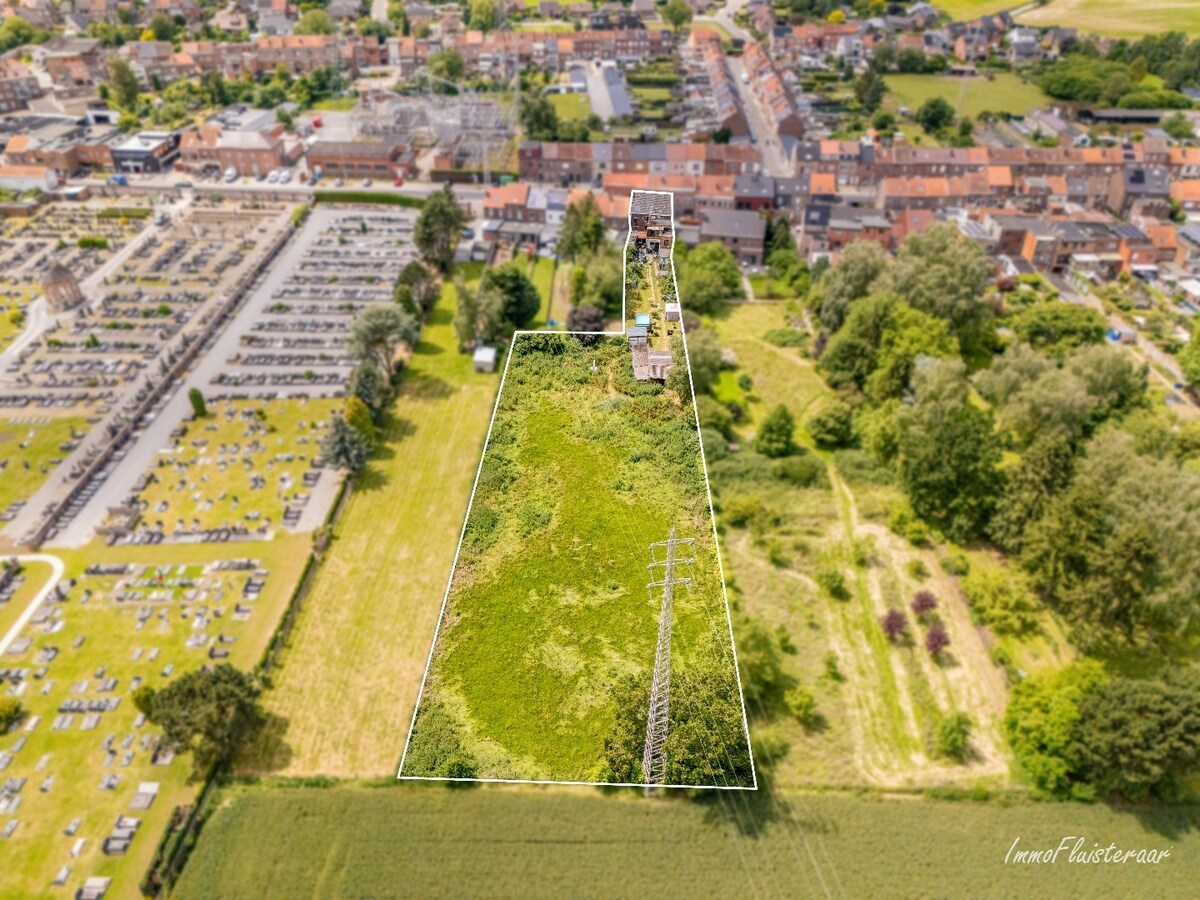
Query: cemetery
(245,470)
(86,786)
(31,446)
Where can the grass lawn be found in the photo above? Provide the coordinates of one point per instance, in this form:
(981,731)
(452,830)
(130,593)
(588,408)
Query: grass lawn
(551,27)
(549,609)
(968,96)
(966,10)
(571,106)
(1118,18)
(38,441)
(649,95)
(206,478)
(336,104)
(521,841)
(110,635)
(541,273)
(35,575)
(347,682)
(767,288)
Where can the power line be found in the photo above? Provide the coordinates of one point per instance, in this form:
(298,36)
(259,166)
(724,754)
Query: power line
(654,758)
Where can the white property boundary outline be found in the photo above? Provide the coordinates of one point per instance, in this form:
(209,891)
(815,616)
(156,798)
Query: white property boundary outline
(753,786)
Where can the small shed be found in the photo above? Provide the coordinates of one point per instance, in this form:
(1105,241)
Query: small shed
(672,310)
(485,359)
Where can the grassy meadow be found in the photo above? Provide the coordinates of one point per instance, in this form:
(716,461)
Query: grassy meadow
(966,10)
(571,106)
(525,841)
(969,96)
(548,607)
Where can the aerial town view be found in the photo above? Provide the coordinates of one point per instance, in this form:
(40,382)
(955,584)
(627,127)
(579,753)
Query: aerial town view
(531,448)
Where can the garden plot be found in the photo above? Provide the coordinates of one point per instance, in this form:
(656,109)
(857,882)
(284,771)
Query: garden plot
(542,664)
(246,469)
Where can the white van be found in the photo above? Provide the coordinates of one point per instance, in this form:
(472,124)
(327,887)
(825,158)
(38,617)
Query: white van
(230,175)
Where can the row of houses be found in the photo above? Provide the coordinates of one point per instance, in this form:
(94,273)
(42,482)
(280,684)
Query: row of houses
(578,163)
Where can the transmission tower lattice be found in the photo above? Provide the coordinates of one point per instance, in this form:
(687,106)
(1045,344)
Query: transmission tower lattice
(654,758)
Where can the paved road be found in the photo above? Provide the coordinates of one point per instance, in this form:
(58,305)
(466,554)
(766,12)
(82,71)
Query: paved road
(57,565)
(774,159)
(142,450)
(724,18)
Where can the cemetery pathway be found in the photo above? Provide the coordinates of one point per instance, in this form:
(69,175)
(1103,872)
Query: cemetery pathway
(57,565)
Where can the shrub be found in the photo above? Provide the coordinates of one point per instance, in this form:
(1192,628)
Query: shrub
(953,737)
(803,470)
(916,569)
(936,640)
(785,337)
(833,583)
(955,563)
(1002,600)
(832,672)
(833,425)
(803,705)
(894,624)
(715,447)
(907,524)
(774,438)
(923,603)
(715,416)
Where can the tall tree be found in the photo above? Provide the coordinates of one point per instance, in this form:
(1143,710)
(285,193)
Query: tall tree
(677,14)
(856,275)
(520,300)
(344,446)
(125,87)
(582,232)
(211,710)
(709,275)
(775,435)
(439,228)
(948,451)
(377,331)
(314,21)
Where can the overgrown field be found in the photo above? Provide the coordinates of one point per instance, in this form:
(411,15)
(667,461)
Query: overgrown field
(965,10)
(343,694)
(549,634)
(522,841)
(1119,18)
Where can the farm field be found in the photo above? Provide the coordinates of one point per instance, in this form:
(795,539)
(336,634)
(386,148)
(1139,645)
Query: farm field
(522,841)
(571,106)
(151,635)
(38,441)
(548,617)
(969,96)
(1117,18)
(965,10)
(344,688)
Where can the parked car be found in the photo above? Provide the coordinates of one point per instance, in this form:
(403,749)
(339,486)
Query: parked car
(273,178)
(285,177)
(366,182)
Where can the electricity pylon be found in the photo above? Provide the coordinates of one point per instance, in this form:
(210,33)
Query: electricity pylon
(654,758)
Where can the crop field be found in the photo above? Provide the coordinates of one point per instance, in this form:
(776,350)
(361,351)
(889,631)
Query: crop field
(242,465)
(1005,92)
(548,611)
(1118,18)
(884,699)
(965,10)
(523,841)
(30,447)
(112,633)
(343,692)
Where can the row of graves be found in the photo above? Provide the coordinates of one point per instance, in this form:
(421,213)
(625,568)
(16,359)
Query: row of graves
(82,772)
(31,447)
(239,473)
(297,344)
(79,238)
(173,284)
